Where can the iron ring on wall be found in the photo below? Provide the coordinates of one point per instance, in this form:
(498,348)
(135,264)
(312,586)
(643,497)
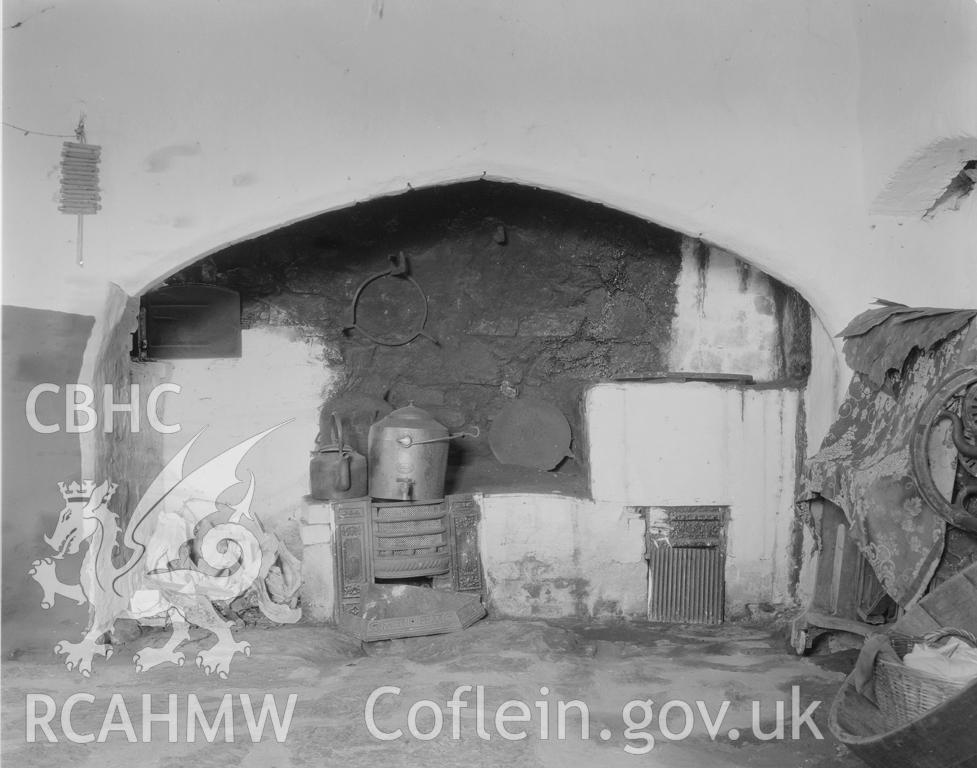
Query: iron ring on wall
(398,271)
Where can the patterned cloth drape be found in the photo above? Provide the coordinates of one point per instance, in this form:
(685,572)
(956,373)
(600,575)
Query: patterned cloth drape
(864,467)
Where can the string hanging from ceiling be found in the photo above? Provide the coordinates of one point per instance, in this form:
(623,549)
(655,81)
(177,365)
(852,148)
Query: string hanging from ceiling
(29,132)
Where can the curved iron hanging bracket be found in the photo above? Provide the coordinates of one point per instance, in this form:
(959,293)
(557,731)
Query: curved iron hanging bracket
(954,399)
(398,270)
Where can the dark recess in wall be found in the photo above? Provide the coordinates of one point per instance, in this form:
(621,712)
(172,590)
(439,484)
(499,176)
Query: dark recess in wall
(530,293)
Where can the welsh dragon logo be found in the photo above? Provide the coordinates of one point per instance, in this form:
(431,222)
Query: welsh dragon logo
(186,550)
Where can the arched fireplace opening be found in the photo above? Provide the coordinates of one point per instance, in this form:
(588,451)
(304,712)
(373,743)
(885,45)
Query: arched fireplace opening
(530,296)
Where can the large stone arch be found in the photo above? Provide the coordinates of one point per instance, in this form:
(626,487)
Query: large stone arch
(656,208)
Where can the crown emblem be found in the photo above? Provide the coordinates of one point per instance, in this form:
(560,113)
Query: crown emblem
(75,492)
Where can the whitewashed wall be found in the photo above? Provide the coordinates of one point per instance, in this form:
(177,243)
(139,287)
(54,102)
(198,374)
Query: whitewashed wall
(698,443)
(725,317)
(553,556)
(280,376)
(767,128)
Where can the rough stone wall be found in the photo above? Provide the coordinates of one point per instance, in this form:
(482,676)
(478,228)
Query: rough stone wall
(529,293)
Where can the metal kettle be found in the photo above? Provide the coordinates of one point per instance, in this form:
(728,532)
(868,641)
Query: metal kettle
(408,452)
(336,471)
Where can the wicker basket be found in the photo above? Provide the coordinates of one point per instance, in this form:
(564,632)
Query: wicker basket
(904,693)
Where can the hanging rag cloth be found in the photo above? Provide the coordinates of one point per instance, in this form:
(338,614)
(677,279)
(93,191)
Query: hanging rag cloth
(899,356)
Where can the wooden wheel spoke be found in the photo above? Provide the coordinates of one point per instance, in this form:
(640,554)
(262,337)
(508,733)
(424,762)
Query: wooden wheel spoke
(956,394)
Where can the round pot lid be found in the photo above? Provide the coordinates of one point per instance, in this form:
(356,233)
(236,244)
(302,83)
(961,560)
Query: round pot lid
(530,433)
(411,417)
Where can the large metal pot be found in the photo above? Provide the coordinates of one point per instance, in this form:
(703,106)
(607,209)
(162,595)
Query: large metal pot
(408,456)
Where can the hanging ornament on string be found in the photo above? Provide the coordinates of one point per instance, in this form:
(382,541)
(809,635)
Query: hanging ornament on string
(79,182)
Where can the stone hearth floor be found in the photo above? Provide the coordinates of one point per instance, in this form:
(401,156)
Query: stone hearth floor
(332,677)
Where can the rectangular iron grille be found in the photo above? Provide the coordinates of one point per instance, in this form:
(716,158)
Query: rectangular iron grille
(687,564)
(410,540)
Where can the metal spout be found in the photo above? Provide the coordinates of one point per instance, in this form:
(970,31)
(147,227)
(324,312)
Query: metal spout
(406,488)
